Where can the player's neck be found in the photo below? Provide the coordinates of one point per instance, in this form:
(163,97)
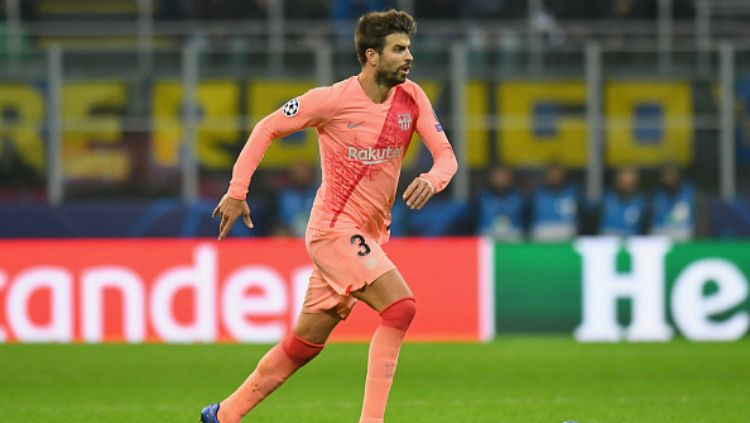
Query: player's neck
(378,93)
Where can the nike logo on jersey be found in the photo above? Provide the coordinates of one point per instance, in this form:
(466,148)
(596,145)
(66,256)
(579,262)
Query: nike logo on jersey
(351,125)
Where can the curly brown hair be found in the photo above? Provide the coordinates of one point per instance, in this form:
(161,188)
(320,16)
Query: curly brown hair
(373,27)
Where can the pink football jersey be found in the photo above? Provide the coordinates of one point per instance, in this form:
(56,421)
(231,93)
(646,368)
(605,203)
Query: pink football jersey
(362,145)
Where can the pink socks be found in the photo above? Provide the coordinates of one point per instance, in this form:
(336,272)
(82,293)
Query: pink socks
(383,357)
(274,368)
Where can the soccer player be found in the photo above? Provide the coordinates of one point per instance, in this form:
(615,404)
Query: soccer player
(364,125)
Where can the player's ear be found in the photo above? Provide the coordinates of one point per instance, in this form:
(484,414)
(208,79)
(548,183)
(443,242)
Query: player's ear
(372,56)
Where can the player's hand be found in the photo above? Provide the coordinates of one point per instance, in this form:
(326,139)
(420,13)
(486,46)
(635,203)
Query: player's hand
(418,193)
(230,210)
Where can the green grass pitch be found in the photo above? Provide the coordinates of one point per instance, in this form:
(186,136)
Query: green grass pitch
(514,380)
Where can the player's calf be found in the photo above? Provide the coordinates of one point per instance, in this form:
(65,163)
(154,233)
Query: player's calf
(383,357)
(274,369)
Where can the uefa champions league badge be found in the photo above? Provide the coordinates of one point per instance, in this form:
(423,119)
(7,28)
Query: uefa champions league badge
(438,125)
(291,108)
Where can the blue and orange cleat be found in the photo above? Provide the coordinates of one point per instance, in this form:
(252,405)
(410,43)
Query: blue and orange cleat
(210,413)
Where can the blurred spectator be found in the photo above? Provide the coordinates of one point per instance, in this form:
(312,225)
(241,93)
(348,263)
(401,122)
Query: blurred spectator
(554,215)
(443,217)
(296,199)
(673,206)
(623,207)
(499,206)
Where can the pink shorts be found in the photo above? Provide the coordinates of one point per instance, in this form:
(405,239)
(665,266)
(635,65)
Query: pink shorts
(344,260)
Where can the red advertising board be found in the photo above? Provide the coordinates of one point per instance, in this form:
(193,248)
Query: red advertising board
(206,291)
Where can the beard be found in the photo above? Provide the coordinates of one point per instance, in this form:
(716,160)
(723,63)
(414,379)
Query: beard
(389,78)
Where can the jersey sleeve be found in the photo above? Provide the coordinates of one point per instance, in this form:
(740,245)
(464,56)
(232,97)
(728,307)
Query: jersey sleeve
(429,128)
(312,109)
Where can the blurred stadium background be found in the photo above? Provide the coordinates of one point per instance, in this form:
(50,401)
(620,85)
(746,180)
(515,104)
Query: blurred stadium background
(135,111)
(603,195)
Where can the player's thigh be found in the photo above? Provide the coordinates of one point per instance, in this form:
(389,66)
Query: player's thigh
(316,327)
(384,291)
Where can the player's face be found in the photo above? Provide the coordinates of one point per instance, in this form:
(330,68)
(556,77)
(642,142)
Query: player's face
(395,61)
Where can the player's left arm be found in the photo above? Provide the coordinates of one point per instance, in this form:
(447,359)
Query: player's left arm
(444,164)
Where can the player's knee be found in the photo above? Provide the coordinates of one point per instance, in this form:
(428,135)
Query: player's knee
(399,314)
(300,351)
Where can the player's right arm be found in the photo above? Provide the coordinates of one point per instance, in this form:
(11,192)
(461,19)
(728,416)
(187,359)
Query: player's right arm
(312,109)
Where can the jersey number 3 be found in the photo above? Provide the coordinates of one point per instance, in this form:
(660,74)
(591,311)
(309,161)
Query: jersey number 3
(360,241)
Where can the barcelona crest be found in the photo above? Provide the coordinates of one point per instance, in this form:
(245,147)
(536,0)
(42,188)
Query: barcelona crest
(404,121)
